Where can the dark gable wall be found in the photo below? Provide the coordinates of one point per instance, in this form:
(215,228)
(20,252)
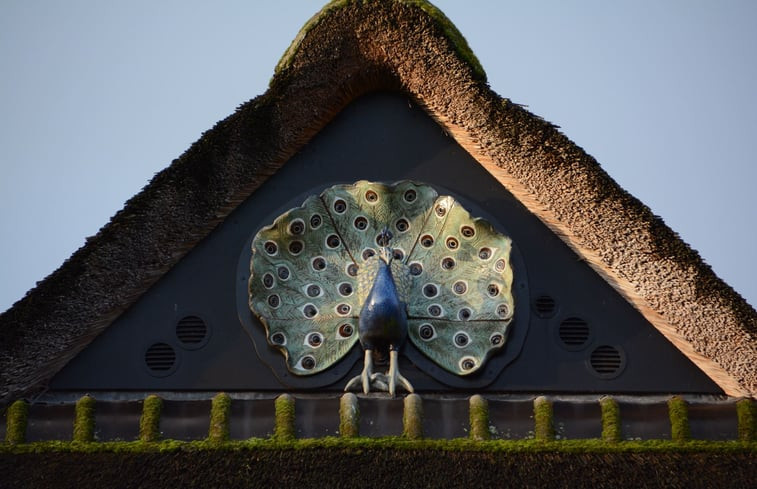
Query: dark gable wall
(572,333)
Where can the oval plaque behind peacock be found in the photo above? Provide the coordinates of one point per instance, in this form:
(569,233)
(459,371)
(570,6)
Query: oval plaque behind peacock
(377,264)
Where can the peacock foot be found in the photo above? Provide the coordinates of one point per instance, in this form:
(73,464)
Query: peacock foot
(376,381)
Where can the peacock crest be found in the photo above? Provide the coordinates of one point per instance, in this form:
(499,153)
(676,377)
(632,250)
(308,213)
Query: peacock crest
(378,263)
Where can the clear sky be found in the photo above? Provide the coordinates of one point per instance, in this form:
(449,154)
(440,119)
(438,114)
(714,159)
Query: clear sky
(98,96)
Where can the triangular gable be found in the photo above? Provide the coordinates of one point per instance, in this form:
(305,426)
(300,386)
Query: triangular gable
(347,50)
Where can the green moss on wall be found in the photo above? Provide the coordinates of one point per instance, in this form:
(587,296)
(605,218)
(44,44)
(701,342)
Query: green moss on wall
(479,418)
(220,411)
(149,423)
(450,31)
(84,420)
(284,426)
(412,417)
(349,416)
(17,417)
(746,411)
(610,420)
(679,419)
(544,427)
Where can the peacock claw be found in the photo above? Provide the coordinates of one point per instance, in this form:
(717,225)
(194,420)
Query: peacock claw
(370,380)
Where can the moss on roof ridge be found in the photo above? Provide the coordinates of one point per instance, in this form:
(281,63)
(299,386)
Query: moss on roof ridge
(455,37)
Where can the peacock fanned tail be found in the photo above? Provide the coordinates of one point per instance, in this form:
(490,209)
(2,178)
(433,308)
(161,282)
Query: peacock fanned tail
(312,269)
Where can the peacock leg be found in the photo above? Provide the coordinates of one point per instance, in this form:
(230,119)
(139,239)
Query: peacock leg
(364,378)
(394,376)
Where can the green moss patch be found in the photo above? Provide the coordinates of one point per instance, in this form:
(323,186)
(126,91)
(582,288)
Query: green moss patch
(220,410)
(679,419)
(16,418)
(284,425)
(479,418)
(84,420)
(746,411)
(149,423)
(610,420)
(544,426)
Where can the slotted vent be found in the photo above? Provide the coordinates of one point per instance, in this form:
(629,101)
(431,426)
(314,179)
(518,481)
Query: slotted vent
(574,333)
(545,306)
(191,332)
(160,358)
(606,361)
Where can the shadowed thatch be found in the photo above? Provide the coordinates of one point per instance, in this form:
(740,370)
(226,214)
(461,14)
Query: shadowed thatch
(349,49)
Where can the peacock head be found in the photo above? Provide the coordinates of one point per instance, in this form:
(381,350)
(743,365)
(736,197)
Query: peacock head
(385,251)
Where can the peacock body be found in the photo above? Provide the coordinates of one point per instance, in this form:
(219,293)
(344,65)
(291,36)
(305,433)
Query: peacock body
(380,263)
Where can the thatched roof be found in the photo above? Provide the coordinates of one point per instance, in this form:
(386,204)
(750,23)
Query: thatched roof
(346,50)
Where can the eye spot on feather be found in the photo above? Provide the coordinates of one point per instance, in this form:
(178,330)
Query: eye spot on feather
(430,290)
(343,309)
(461,339)
(318,263)
(297,227)
(352,270)
(278,338)
(410,196)
(345,289)
(485,253)
(360,223)
(467,363)
(308,362)
(271,248)
(282,272)
(426,332)
(435,310)
(452,243)
(296,247)
(464,314)
(313,290)
(467,231)
(427,241)
(440,210)
(315,221)
(500,265)
(368,252)
(340,206)
(398,254)
(497,339)
(346,330)
(448,263)
(314,340)
(402,225)
(503,311)
(309,311)
(492,290)
(416,269)
(274,301)
(371,196)
(460,287)
(268,281)
(333,241)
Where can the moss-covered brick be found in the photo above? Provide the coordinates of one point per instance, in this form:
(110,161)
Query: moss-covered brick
(746,412)
(149,423)
(349,416)
(544,427)
(412,417)
(84,420)
(285,412)
(16,419)
(610,420)
(479,418)
(678,411)
(220,411)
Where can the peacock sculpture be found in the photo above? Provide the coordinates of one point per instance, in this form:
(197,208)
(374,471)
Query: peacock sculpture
(379,263)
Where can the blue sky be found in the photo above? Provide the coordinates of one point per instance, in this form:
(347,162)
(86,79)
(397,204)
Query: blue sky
(96,97)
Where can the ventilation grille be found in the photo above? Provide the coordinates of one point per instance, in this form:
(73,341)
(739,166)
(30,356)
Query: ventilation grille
(191,332)
(606,361)
(545,306)
(160,358)
(574,333)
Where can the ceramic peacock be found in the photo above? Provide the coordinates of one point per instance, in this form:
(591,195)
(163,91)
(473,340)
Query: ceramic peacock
(379,263)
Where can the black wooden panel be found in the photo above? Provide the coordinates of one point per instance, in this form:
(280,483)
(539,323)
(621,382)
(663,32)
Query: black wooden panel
(572,332)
